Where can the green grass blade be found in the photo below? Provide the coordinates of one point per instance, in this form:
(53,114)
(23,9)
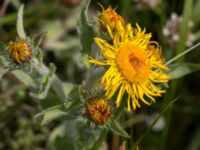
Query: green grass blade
(152,125)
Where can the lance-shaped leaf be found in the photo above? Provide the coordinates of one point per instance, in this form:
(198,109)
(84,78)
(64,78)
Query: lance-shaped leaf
(61,89)
(20,25)
(84,28)
(36,41)
(25,78)
(116,128)
(52,113)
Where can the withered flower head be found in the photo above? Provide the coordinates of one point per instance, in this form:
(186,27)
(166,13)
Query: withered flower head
(98,110)
(19,51)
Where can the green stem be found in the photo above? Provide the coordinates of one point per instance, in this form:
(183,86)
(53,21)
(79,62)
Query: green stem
(184,27)
(117,113)
(161,12)
(182,54)
(179,59)
(155,121)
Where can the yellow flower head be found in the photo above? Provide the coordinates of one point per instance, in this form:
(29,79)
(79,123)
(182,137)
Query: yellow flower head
(19,51)
(110,19)
(98,110)
(134,66)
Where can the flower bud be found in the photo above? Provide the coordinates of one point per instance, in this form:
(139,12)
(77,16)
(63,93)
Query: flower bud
(98,110)
(109,18)
(19,51)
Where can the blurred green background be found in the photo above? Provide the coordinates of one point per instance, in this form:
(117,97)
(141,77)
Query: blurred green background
(178,129)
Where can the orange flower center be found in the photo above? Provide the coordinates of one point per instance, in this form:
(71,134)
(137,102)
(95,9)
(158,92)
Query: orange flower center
(132,62)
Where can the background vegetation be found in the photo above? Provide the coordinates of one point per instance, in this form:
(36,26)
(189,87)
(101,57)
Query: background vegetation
(30,123)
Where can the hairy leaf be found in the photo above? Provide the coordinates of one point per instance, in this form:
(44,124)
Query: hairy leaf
(20,25)
(45,83)
(52,113)
(116,128)
(84,28)
(24,78)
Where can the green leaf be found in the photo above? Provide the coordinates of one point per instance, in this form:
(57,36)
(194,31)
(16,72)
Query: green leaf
(38,39)
(116,128)
(66,142)
(3,72)
(91,78)
(99,142)
(20,25)
(39,54)
(24,78)
(58,88)
(84,60)
(36,43)
(61,89)
(4,61)
(180,70)
(68,87)
(45,83)
(58,131)
(52,113)
(45,86)
(84,28)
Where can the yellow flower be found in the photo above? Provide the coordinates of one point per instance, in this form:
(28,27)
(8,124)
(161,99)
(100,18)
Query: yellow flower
(98,110)
(134,65)
(19,51)
(111,20)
